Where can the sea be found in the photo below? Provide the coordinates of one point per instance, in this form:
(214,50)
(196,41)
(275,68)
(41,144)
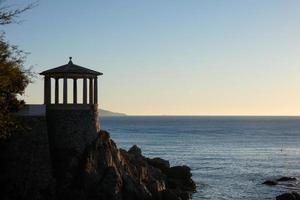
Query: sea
(230,157)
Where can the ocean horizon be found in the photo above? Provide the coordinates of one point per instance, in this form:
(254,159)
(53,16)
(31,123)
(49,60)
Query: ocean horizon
(127,115)
(230,156)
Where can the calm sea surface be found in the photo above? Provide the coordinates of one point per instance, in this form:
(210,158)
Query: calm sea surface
(230,156)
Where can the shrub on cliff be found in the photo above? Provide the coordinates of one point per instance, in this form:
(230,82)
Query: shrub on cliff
(13,76)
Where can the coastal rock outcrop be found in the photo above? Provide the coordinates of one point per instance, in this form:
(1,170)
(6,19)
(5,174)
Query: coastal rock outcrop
(103,172)
(280,180)
(286,178)
(128,175)
(270,182)
(289,196)
(286,181)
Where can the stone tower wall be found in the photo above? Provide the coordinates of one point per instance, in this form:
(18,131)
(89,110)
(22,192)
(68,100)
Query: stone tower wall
(71,128)
(26,163)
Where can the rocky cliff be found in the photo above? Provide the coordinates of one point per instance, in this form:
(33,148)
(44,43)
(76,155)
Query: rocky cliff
(110,173)
(103,172)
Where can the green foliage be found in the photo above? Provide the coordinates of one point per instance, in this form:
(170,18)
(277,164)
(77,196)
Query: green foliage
(13,81)
(13,76)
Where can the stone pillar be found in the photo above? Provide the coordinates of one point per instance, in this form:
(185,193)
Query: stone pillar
(65,90)
(75,90)
(91,91)
(96,90)
(47,90)
(56,91)
(84,91)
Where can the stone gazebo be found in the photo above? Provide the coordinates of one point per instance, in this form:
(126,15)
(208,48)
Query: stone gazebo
(75,72)
(71,126)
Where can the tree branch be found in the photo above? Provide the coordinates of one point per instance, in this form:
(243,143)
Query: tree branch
(9,15)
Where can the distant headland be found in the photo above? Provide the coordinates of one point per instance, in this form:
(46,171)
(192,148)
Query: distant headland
(107,113)
(39,110)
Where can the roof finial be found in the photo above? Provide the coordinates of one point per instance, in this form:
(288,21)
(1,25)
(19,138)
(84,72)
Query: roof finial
(70,61)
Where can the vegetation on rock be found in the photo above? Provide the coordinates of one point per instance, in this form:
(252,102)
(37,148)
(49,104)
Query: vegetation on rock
(14,77)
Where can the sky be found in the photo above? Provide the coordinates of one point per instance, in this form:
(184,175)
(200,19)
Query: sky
(171,57)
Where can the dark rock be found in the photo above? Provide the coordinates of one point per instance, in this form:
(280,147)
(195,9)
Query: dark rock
(111,184)
(135,150)
(104,135)
(134,190)
(170,195)
(185,196)
(159,163)
(129,175)
(289,196)
(180,177)
(270,182)
(104,172)
(188,184)
(296,195)
(156,187)
(286,178)
(180,172)
(285,196)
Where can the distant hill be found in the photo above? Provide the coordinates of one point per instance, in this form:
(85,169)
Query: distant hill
(107,113)
(40,110)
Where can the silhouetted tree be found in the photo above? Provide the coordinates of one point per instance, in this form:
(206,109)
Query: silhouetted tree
(13,75)
(9,15)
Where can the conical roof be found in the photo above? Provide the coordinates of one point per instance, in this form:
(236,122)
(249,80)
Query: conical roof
(70,68)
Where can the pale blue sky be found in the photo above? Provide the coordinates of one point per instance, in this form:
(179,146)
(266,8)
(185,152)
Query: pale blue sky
(189,57)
